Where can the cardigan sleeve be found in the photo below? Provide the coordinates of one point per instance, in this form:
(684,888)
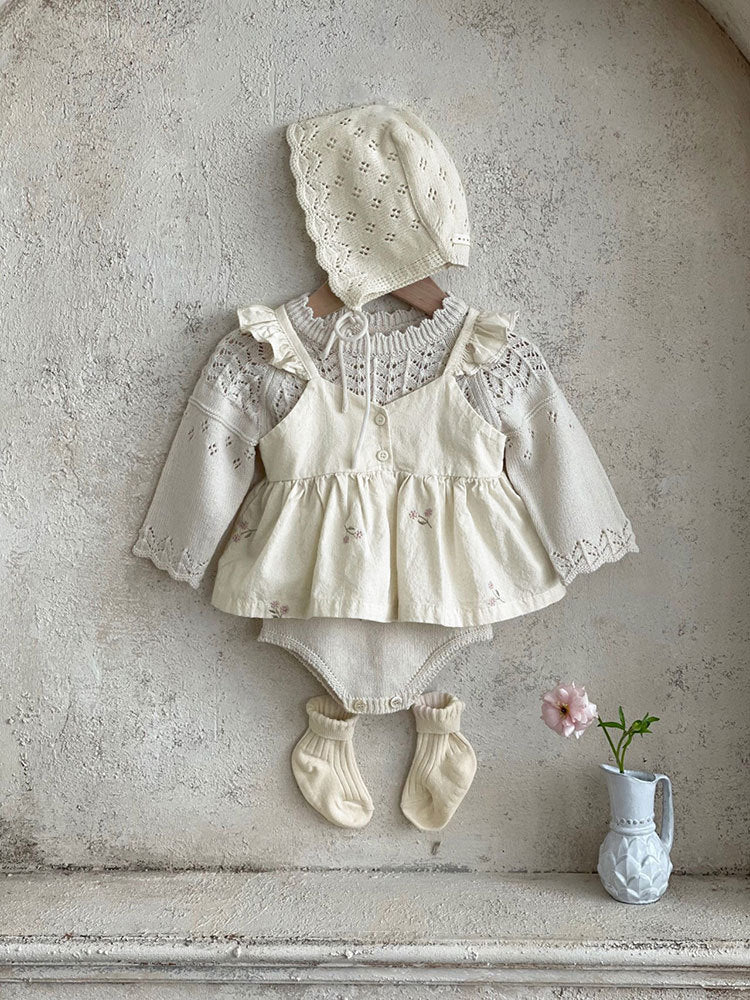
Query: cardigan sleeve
(552,464)
(211,462)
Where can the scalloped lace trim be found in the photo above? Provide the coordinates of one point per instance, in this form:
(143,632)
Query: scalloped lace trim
(587,556)
(333,255)
(162,552)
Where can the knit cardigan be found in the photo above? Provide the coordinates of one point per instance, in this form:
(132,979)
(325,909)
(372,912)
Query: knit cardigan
(240,396)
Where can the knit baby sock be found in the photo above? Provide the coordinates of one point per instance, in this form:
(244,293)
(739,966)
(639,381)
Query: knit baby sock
(444,763)
(324,766)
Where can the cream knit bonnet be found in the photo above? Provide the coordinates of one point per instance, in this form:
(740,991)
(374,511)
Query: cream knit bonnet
(382,199)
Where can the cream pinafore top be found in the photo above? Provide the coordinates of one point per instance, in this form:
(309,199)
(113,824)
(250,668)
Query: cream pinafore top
(422,525)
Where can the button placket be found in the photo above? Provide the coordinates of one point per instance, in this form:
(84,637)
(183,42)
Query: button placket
(384,451)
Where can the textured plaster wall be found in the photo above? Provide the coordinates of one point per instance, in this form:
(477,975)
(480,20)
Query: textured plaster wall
(144,195)
(734,18)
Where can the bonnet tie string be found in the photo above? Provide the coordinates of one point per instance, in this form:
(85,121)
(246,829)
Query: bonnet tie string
(351,326)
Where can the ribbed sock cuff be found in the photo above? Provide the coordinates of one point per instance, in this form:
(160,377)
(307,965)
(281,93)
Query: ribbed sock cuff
(437,712)
(329,719)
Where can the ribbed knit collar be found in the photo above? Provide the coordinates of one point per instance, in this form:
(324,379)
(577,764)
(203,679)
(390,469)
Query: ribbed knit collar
(394,332)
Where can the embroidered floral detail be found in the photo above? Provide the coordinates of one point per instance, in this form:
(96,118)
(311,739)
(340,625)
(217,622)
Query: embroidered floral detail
(351,533)
(423,518)
(496,598)
(277,609)
(243,531)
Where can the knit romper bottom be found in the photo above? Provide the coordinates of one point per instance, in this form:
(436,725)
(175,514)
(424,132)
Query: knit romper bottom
(420,529)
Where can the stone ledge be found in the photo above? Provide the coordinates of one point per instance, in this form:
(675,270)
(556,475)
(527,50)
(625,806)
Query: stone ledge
(369,927)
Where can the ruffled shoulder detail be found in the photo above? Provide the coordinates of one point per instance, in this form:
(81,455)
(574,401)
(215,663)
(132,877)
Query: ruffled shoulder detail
(262,323)
(486,341)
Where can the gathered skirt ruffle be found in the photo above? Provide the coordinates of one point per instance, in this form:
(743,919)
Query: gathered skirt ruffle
(386,546)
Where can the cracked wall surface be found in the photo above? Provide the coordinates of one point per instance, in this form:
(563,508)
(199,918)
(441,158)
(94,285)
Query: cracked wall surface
(145,194)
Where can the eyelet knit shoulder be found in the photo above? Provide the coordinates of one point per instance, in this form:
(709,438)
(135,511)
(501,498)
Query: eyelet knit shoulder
(488,340)
(506,369)
(262,323)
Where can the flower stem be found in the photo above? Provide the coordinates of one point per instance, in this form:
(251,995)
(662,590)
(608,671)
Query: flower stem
(627,744)
(609,740)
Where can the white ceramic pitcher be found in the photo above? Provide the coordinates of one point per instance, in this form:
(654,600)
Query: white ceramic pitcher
(634,863)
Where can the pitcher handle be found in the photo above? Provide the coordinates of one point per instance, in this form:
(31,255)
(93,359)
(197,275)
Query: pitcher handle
(667,812)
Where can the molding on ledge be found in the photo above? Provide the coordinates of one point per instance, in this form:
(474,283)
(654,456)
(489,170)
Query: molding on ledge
(556,963)
(342,928)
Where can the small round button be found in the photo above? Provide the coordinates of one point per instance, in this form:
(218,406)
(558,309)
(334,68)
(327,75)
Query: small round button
(382,455)
(396,701)
(358,705)
(380,419)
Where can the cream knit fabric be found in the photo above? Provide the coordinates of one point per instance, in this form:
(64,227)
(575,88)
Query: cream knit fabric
(444,763)
(382,199)
(324,766)
(402,658)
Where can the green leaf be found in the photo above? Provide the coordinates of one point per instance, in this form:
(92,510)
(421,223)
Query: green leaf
(622,716)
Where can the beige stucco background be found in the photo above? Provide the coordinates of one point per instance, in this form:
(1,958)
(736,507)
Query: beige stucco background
(145,194)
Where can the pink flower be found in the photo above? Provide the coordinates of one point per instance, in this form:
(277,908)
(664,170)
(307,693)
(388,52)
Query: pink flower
(413,514)
(567,710)
(351,532)
(428,512)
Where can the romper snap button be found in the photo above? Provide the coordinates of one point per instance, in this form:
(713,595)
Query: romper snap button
(382,455)
(396,701)
(380,419)
(358,705)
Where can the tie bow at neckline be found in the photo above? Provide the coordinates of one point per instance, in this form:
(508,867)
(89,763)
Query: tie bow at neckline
(351,326)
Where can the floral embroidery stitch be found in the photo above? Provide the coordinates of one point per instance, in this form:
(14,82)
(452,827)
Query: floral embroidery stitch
(423,518)
(496,598)
(277,609)
(351,533)
(243,531)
